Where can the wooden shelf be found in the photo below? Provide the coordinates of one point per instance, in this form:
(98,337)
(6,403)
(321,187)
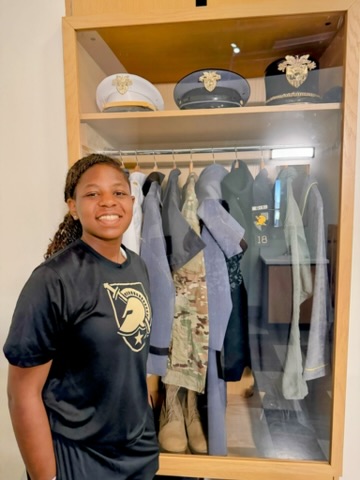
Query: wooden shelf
(292,124)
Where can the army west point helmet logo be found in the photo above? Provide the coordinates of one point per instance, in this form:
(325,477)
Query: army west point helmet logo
(297,69)
(132,312)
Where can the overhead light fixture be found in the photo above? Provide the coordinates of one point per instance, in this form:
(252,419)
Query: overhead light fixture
(235,48)
(294,152)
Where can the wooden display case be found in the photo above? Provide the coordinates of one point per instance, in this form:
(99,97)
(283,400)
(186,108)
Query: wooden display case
(165,40)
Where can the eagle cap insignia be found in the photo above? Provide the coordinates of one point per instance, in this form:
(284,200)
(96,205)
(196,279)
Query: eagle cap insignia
(297,69)
(210,79)
(122,83)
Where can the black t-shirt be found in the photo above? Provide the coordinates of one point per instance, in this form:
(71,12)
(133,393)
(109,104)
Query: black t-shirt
(92,318)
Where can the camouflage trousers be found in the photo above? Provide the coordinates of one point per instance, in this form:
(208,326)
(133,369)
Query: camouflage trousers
(188,355)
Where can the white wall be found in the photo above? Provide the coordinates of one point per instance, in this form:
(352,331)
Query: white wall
(33,162)
(32,170)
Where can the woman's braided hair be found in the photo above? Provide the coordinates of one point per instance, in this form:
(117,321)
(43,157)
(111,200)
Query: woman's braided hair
(69,229)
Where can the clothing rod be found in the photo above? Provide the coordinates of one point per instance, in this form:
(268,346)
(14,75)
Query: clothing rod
(183,151)
(193,151)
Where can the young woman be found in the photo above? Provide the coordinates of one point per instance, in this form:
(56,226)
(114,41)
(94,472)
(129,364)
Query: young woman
(79,340)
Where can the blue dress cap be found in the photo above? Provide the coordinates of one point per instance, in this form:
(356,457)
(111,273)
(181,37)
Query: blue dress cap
(211,88)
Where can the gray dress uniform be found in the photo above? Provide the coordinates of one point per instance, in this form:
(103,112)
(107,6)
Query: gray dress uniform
(162,290)
(317,361)
(222,235)
(237,191)
(293,384)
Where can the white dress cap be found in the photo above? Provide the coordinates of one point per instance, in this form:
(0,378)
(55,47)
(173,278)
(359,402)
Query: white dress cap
(124,92)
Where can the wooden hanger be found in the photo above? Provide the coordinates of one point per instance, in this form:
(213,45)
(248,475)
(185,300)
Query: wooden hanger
(121,160)
(137,166)
(236,161)
(191,166)
(262,161)
(155,167)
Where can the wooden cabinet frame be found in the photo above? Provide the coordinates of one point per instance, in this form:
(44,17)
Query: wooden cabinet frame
(86,14)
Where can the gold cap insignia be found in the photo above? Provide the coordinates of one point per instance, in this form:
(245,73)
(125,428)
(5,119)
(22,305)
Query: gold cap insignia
(209,80)
(122,83)
(296,68)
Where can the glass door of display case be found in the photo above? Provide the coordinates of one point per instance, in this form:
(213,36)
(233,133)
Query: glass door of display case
(249,371)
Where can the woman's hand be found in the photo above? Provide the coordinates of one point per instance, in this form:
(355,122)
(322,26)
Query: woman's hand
(30,421)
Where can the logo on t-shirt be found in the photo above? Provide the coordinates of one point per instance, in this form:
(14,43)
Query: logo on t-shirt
(132,312)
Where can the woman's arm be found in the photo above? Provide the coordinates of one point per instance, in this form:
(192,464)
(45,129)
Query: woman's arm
(30,421)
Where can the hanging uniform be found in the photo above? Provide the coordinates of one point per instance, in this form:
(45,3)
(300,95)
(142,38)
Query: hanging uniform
(182,242)
(188,358)
(237,192)
(262,222)
(262,208)
(293,384)
(222,235)
(131,237)
(317,361)
(162,290)
(154,176)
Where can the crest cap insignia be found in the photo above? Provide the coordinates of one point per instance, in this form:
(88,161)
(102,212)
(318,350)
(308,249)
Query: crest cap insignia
(292,79)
